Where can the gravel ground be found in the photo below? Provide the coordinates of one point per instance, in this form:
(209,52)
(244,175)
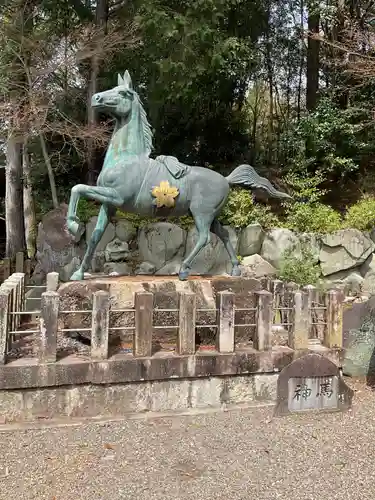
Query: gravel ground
(236,455)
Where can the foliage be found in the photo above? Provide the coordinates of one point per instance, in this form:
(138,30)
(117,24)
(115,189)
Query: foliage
(185,222)
(195,62)
(361,215)
(87,209)
(299,265)
(313,218)
(307,214)
(332,139)
(336,141)
(241,210)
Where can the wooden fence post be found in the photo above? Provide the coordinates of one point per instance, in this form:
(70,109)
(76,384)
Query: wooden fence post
(21,294)
(291,288)
(264,314)
(6,268)
(187,320)
(277,289)
(299,333)
(312,299)
(17,280)
(225,321)
(52,282)
(4,323)
(20,262)
(100,325)
(333,331)
(48,327)
(144,302)
(27,269)
(265,283)
(10,285)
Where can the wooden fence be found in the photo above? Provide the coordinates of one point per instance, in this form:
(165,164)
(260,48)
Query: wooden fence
(298,308)
(18,265)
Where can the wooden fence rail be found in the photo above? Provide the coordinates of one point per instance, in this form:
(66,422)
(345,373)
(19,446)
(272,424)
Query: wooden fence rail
(299,305)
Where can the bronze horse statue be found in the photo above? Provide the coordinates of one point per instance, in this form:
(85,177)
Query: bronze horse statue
(132,181)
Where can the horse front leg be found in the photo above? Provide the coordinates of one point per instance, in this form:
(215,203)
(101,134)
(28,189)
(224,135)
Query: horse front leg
(75,228)
(104,216)
(103,195)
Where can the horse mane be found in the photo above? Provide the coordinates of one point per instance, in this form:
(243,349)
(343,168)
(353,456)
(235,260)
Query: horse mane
(146,127)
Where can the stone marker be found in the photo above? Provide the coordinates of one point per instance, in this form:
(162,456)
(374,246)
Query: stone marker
(312,382)
(359,340)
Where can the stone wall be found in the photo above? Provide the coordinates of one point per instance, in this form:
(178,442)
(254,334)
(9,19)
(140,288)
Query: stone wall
(346,256)
(121,400)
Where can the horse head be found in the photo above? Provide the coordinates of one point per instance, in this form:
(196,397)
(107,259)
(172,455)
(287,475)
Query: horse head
(118,101)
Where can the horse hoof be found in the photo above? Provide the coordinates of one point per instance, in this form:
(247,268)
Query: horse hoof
(77,276)
(76,229)
(183,275)
(236,271)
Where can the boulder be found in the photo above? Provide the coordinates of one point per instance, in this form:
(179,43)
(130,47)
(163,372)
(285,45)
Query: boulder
(276,242)
(72,266)
(56,249)
(170,269)
(98,261)
(312,243)
(359,355)
(116,251)
(251,240)
(352,280)
(344,249)
(117,269)
(368,273)
(107,237)
(125,231)
(213,259)
(145,268)
(161,243)
(257,267)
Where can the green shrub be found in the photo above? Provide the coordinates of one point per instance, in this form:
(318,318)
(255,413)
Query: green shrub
(87,209)
(307,213)
(185,221)
(361,215)
(313,218)
(240,211)
(299,266)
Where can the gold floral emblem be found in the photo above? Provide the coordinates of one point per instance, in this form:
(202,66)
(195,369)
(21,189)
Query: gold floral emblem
(164,195)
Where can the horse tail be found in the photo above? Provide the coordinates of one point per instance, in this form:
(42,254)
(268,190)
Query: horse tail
(246,176)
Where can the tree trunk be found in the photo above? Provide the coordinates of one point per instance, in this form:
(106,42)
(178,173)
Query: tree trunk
(15,231)
(302,60)
(28,206)
(51,175)
(92,117)
(270,78)
(312,73)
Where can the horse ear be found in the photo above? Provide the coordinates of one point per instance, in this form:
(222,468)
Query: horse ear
(128,80)
(120,80)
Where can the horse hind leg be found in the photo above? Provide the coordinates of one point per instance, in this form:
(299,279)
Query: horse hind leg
(203,224)
(222,233)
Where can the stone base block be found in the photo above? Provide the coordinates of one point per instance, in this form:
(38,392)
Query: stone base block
(123,399)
